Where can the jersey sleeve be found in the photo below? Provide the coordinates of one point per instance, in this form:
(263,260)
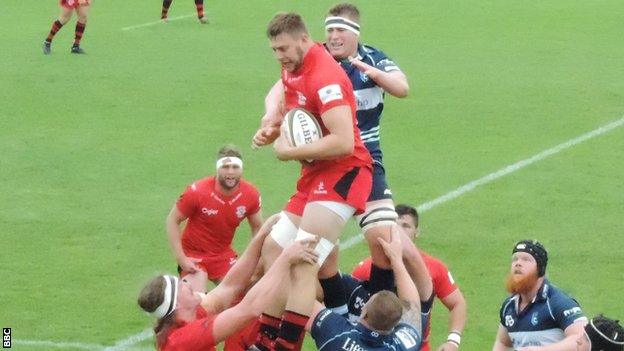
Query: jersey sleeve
(362,270)
(386,64)
(407,337)
(329,88)
(443,282)
(187,202)
(566,310)
(326,326)
(256,202)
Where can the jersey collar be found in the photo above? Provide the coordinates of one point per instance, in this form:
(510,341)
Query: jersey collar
(371,337)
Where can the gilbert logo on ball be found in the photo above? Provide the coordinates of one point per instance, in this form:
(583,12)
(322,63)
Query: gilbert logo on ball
(302,127)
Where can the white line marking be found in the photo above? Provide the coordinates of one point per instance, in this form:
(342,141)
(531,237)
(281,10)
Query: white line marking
(171,19)
(500,173)
(131,340)
(59,345)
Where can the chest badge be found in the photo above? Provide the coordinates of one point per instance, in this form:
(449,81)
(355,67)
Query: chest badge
(534,319)
(240,211)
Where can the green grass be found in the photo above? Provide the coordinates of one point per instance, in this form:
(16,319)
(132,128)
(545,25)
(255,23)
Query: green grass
(95,149)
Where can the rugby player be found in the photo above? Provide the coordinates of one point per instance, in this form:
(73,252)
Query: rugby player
(444,286)
(336,184)
(213,207)
(199,5)
(81,7)
(537,316)
(188,320)
(603,334)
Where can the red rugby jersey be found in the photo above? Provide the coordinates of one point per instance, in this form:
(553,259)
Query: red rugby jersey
(214,217)
(317,86)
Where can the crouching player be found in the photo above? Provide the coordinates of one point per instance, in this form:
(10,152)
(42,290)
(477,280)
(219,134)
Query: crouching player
(191,321)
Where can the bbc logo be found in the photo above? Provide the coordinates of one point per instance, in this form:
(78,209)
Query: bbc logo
(6,338)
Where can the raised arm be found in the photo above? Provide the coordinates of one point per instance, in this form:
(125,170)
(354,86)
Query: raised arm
(393,82)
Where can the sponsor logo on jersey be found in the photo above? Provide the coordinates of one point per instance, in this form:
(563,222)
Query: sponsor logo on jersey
(406,338)
(387,192)
(301,99)
(572,311)
(240,211)
(509,321)
(320,189)
(209,211)
(322,316)
(351,345)
(330,93)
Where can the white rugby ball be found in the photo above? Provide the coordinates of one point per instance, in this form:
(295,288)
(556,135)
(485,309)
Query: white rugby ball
(301,127)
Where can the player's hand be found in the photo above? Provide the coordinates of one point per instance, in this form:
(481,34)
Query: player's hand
(189,264)
(363,67)
(265,136)
(82,2)
(282,148)
(302,251)
(448,346)
(394,248)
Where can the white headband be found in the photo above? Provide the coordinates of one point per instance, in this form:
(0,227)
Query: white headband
(229,159)
(170,300)
(342,22)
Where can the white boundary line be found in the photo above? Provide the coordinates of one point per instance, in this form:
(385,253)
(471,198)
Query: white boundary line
(500,173)
(170,19)
(132,340)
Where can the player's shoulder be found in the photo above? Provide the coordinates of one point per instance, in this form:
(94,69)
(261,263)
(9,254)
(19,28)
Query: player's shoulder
(372,52)
(202,184)
(557,296)
(407,336)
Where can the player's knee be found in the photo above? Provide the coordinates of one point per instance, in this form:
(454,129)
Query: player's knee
(323,248)
(284,231)
(376,217)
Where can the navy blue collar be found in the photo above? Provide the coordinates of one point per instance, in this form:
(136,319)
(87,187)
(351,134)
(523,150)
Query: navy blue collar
(371,337)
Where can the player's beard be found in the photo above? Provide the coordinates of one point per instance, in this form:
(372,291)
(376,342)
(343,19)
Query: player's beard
(521,284)
(224,183)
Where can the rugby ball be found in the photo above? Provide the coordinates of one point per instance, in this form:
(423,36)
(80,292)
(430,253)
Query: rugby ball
(301,127)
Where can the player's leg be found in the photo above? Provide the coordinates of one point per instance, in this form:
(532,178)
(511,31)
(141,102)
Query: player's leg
(325,219)
(334,293)
(165,9)
(375,222)
(64,17)
(82,11)
(199,5)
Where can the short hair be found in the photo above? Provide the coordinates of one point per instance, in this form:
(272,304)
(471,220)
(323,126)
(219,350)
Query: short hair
(403,209)
(290,23)
(346,9)
(383,311)
(229,150)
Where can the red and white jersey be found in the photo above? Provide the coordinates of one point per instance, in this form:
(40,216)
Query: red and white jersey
(194,336)
(443,283)
(214,217)
(317,86)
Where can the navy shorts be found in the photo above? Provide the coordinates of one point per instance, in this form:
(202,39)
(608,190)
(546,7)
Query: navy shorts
(380,189)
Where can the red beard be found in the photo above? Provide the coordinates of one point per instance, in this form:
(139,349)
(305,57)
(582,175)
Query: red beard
(521,284)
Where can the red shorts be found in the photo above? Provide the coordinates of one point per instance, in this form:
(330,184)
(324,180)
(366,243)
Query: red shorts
(72,4)
(344,184)
(216,266)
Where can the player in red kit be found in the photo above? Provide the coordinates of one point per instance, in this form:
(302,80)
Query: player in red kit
(67,8)
(213,207)
(331,188)
(189,320)
(444,286)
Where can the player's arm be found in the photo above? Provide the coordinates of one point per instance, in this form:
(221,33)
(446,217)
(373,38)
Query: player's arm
(502,342)
(573,333)
(261,295)
(406,289)
(338,142)
(393,82)
(255,222)
(174,234)
(456,305)
(273,115)
(238,277)
(416,266)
